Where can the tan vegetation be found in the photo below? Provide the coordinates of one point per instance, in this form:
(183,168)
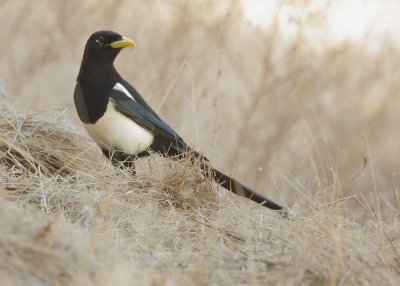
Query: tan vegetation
(308,123)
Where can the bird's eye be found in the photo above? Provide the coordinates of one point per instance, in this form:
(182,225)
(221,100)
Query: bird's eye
(100,40)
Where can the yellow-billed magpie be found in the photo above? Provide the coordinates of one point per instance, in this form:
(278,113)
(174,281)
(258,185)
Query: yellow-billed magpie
(122,123)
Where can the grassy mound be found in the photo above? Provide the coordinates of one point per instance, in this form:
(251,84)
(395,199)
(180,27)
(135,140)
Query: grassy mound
(68,217)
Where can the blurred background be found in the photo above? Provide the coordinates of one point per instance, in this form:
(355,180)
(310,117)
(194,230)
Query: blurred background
(290,97)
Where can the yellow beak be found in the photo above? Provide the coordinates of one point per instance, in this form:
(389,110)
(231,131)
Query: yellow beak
(125,42)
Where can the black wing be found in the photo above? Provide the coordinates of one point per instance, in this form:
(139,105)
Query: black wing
(139,99)
(165,137)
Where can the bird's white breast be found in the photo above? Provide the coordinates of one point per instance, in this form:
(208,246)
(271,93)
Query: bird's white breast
(116,131)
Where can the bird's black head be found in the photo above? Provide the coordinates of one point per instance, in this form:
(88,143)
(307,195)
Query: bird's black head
(103,46)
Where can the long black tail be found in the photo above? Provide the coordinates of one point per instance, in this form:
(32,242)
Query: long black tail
(236,187)
(225,181)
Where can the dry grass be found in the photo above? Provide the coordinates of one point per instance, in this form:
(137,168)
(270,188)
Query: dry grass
(307,122)
(68,217)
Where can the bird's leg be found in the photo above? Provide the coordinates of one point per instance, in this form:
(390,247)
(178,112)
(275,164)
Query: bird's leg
(121,159)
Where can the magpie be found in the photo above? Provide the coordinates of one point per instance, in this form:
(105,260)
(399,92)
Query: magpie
(123,124)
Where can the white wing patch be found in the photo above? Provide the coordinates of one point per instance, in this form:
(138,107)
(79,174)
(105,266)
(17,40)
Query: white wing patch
(122,89)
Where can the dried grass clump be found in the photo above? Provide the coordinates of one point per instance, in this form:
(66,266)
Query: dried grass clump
(68,217)
(40,143)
